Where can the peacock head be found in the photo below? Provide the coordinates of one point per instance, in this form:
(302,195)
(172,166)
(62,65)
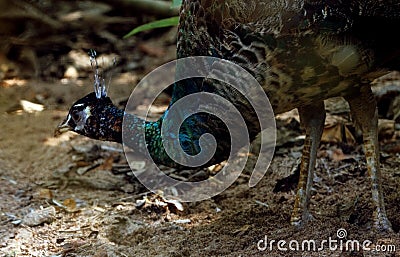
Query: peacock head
(85,113)
(94,115)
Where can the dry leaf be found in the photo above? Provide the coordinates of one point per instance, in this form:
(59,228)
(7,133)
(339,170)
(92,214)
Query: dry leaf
(337,155)
(337,133)
(30,107)
(70,205)
(45,193)
(38,217)
(107,164)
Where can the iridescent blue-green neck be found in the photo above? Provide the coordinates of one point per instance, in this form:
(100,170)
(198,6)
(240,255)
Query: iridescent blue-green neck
(187,140)
(145,136)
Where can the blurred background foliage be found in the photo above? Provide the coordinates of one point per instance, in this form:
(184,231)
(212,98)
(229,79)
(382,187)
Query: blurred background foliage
(43,38)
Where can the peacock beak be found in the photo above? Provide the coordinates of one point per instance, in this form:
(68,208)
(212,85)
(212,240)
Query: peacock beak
(63,127)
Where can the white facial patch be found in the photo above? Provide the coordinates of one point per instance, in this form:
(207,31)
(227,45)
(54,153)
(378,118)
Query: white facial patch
(84,115)
(68,119)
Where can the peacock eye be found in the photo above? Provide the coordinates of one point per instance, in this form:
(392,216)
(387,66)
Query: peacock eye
(75,116)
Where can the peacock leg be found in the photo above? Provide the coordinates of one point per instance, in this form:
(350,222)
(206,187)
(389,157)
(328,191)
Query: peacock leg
(364,112)
(312,118)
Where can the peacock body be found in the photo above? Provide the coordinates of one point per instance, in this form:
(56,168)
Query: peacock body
(300,51)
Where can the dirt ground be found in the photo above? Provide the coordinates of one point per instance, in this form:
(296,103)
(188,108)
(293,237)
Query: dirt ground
(49,209)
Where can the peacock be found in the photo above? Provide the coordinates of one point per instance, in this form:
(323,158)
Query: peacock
(300,51)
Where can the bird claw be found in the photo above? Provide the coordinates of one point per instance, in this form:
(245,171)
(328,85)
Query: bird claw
(303,220)
(382,224)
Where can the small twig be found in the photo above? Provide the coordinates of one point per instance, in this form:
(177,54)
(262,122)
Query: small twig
(261,203)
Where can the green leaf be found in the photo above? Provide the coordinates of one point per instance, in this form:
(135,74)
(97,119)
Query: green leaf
(172,21)
(176,3)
